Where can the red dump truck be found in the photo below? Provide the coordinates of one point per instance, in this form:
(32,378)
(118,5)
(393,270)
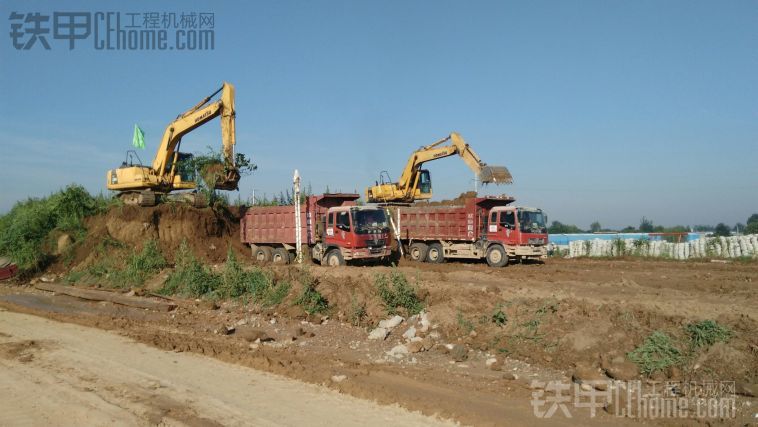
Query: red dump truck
(483,227)
(333,230)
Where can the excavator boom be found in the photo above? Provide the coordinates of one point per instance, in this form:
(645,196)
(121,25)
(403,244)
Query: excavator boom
(415,183)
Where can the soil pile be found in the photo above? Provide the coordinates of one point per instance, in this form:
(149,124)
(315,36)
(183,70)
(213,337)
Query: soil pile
(208,232)
(458,201)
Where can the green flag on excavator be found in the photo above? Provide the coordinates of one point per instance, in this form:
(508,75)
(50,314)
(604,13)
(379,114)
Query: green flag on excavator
(139,138)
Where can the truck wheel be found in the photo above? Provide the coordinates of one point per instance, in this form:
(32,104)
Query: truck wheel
(496,256)
(280,256)
(418,252)
(262,254)
(333,258)
(435,254)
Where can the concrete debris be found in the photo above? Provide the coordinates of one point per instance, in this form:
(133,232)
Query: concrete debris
(410,333)
(391,322)
(398,352)
(378,334)
(425,322)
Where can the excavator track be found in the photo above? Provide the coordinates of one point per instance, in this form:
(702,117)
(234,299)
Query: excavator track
(139,198)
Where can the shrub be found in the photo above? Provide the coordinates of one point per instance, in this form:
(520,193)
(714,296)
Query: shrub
(25,229)
(498,316)
(233,279)
(397,294)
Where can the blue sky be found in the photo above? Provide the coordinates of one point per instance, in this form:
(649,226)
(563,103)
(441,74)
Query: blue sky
(602,110)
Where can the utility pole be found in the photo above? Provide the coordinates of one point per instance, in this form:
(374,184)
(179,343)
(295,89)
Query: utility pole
(298,238)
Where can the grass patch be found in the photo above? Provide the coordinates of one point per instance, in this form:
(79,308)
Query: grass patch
(357,312)
(706,333)
(397,293)
(310,298)
(275,294)
(139,266)
(464,324)
(656,353)
(194,279)
(190,277)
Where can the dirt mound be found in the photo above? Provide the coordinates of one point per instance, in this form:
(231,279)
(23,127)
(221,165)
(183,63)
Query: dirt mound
(208,232)
(458,201)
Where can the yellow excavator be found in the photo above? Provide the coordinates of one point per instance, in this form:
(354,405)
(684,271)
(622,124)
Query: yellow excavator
(416,183)
(171,170)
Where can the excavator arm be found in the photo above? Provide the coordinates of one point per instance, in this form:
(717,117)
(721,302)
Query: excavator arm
(167,155)
(409,186)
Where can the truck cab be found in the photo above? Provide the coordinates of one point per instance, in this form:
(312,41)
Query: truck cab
(521,230)
(352,233)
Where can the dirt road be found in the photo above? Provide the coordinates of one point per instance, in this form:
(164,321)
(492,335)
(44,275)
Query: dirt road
(62,374)
(558,319)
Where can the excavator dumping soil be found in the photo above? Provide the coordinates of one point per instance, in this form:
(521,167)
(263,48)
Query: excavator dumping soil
(495,175)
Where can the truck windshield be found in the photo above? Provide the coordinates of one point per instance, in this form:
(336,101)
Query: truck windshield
(532,221)
(370,221)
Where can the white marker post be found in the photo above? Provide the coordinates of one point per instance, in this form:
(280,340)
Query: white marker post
(298,239)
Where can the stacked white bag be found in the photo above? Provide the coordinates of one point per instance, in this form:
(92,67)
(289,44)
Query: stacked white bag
(705,247)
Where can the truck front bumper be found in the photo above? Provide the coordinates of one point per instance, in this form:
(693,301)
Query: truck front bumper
(365,253)
(530,251)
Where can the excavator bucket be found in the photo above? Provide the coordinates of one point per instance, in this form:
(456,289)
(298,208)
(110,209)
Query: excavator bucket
(495,175)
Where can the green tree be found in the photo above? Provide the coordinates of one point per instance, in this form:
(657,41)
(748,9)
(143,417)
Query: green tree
(595,227)
(557,227)
(752,224)
(646,225)
(721,230)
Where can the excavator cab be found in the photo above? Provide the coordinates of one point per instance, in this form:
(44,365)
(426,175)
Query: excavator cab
(184,167)
(425,182)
